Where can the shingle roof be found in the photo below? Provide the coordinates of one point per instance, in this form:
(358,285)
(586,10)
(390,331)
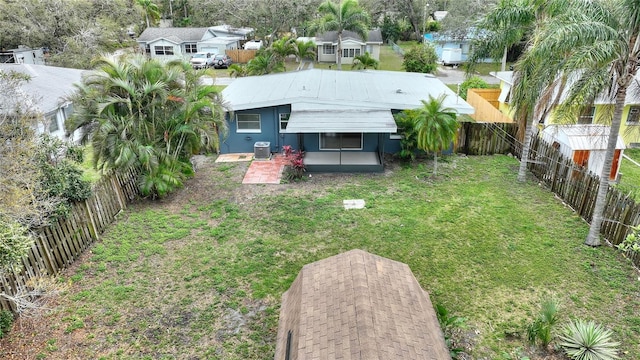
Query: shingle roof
(178,35)
(49,85)
(374,36)
(358,306)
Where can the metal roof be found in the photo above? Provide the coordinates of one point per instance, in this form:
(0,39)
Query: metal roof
(369,89)
(49,85)
(341,121)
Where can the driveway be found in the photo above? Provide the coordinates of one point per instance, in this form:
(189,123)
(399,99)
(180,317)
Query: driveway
(449,75)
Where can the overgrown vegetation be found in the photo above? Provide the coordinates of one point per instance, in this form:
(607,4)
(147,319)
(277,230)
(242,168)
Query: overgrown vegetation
(421,58)
(6,319)
(201,273)
(472,82)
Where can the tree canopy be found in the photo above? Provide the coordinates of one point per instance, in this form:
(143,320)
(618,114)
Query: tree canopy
(149,115)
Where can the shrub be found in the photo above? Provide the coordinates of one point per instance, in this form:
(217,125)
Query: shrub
(541,329)
(406,128)
(296,163)
(473,82)
(421,59)
(588,341)
(6,319)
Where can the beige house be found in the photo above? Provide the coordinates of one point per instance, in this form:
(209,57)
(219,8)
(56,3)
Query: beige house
(358,306)
(352,45)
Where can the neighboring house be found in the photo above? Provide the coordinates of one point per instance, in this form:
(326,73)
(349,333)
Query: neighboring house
(358,306)
(585,144)
(352,45)
(453,48)
(229,31)
(629,129)
(173,43)
(22,55)
(49,87)
(343,120)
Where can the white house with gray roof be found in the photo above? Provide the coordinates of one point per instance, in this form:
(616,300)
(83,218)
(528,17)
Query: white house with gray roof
(352,45)
(48,90)
(343,120)
(172,43)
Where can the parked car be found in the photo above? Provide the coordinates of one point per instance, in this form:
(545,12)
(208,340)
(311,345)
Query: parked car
(201,60)
(222,61)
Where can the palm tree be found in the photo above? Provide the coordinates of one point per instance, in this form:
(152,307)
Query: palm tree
(304,50)
(593,51)
(266,62)
(151,11)
(237,70)
(436,127)
(142,113)
(364,61)
(283,47)
(346,16)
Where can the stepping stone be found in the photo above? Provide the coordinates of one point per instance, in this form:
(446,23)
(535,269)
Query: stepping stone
(353,204)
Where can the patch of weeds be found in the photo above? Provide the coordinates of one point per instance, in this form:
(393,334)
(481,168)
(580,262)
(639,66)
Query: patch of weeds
(225,167)
(75,323)
(51,345)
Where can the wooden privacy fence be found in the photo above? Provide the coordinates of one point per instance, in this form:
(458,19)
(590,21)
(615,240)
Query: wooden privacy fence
(578,188)
(486,138)
(60,244)
(241,56)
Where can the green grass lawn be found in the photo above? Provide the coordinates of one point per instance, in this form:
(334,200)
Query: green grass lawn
(200,274)
(630,178)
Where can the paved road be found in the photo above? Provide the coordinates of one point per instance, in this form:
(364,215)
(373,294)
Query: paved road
(449,75)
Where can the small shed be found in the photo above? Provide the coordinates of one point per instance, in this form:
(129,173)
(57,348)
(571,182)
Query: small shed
(358,306)
(586,144)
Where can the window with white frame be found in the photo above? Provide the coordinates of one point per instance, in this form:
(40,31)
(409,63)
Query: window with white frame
(328,49)
(163,50)
(248,123)
(350,53)
(634,115)
(190,48)
(284,121)
(340,141)
(587,115)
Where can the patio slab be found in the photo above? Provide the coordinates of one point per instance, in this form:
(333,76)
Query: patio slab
(265,171)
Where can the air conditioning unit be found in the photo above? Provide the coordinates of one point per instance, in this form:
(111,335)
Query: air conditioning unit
(262,150)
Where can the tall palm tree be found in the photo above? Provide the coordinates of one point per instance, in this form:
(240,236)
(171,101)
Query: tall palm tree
(151,11)
(436,127)
(594,52)
(364,61)
(143,113)
(348,15)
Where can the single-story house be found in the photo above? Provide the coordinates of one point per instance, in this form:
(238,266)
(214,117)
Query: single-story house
(175,43)
(352,45)
(629,128)
(49,87)
(585,144)
(22,55)
(358,306)
(342,120)
(453,48)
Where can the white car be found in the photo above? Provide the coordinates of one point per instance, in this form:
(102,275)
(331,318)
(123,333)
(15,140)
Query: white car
(202,60)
